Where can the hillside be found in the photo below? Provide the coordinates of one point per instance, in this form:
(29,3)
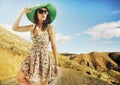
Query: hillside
(13,42)
(104,65)
(101,61)
(74,70)
(13,50)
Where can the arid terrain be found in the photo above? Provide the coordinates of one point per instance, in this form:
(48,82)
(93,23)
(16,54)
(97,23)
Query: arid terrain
(94,68)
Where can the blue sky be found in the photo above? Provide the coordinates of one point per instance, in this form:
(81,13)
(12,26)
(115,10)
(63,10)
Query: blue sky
(82,26)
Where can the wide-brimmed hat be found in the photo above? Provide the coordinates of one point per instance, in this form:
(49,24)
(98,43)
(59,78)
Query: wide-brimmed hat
(51,11)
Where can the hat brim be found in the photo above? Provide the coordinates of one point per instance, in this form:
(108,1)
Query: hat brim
(51,11)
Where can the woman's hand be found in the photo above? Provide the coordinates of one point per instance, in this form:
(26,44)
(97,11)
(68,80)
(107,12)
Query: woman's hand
(17,27)
(26,10)
(56,69)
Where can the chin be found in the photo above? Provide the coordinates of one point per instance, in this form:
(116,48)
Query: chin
(43,19)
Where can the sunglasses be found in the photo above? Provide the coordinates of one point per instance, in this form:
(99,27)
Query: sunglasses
(40,11)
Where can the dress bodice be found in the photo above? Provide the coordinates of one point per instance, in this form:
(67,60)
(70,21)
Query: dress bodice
(42,39)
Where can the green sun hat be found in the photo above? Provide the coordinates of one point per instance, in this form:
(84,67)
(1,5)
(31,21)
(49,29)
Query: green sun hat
(51,11)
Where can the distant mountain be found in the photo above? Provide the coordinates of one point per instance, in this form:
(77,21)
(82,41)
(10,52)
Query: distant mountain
(101,61)
(68,54)
(103,65)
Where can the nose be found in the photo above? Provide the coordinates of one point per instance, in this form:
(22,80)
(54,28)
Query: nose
(44,13)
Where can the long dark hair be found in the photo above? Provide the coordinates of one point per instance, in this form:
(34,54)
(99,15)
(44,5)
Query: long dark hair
(45,23)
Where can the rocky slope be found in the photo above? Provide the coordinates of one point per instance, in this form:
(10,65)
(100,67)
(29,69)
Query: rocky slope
(103,65)
(101,61)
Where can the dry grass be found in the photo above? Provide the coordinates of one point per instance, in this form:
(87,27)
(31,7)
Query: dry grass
(13,42)
(9,63)
(13,50)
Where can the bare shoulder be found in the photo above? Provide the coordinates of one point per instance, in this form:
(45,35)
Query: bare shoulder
(51,28)
(51,31)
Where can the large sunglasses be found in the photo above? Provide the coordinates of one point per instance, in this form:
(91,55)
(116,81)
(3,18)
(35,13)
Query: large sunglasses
(40,11)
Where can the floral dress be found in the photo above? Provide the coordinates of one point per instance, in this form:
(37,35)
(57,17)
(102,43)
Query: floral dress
(38,65)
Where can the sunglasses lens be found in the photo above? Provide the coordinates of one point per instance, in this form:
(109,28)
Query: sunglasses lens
(43,11)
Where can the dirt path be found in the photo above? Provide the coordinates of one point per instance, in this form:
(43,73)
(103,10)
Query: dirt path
(9,82)
(66,77)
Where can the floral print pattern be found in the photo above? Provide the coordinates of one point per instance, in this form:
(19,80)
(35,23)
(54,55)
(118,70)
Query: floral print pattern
(38,65)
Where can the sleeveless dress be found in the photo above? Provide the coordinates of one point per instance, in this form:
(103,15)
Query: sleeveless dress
(38,65)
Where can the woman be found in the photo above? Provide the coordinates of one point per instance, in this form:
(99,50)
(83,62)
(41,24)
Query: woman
(38,66)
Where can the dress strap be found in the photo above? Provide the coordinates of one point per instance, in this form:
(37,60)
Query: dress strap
(48,28)
(34,27)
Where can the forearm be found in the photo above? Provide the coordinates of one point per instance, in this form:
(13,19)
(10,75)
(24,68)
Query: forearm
(55,55)
(16,24)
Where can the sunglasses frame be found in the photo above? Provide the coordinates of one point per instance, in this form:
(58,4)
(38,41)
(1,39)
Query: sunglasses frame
(40,11)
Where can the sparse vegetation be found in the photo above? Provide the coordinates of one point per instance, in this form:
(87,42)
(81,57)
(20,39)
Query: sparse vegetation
(99,75)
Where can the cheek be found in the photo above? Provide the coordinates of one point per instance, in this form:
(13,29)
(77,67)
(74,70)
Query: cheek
(45,16)
(39,17)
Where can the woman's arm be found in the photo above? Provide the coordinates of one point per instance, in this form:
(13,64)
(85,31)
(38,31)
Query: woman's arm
(16,26)
(53,44)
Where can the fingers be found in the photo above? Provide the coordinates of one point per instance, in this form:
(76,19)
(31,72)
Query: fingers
(26,9)
(56,70)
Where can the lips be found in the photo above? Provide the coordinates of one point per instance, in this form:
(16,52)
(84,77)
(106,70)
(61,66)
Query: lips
(43,16)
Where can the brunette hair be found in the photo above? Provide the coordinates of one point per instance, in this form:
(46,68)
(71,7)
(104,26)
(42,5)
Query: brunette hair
(45,23)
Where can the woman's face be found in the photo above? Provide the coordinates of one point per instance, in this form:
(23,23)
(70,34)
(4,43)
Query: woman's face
(42,14)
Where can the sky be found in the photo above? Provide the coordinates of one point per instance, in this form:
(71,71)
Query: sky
(81,26)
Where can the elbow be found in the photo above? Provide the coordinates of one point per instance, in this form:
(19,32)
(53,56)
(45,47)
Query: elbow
(14,28)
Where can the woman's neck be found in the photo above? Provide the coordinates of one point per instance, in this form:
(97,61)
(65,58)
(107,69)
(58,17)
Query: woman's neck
(40,24)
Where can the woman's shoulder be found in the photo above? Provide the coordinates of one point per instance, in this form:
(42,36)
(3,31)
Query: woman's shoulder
(33,26)
(50,27)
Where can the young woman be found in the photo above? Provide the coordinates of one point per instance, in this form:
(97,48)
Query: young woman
(38,66)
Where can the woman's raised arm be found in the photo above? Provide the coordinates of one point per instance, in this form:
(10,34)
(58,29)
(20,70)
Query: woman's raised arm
(25,28)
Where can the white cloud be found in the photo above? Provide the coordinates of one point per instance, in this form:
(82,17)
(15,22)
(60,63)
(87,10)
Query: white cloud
(62,39)
(104,42)
(104,31)
(115,12)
